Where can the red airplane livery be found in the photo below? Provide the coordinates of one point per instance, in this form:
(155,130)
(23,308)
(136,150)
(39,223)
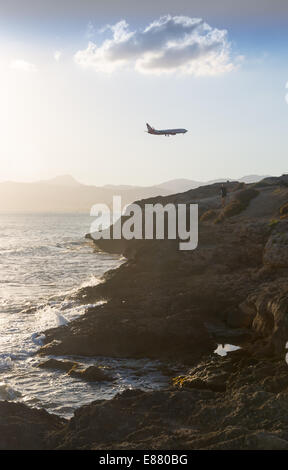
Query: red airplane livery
(166,132)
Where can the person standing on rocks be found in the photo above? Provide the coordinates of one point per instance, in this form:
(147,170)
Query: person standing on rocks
(223,194)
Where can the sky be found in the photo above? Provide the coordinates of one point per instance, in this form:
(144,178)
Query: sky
(79,80)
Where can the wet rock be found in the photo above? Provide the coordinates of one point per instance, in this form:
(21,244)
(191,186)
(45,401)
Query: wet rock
(248,414)
(91,374)
(57,364)
(244,416)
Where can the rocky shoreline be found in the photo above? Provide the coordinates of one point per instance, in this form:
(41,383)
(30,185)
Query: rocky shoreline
(178,305)
(230,403)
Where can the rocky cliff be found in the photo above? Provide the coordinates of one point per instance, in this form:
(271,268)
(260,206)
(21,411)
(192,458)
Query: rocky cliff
(167,303)
(171,304)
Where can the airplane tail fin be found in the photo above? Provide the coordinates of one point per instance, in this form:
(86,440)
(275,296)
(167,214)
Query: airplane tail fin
(150,129)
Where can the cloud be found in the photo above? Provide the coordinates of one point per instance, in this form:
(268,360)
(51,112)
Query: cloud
(90,30)
(171,44)
(19,64)
(57,55)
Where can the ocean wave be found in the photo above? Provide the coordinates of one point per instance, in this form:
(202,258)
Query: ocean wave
(5,362)
(8,393)
(38,338)
(35,249)
(43,263)
(49,317)
(74,245)
(91,282)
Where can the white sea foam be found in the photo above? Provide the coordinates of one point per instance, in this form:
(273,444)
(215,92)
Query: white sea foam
(91,282)
(5,362)
(7,392)
(44,261)
(49,317)
(38,338)
(61,320)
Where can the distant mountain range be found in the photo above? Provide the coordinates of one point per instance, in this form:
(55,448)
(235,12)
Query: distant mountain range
(66,194)
(181,185)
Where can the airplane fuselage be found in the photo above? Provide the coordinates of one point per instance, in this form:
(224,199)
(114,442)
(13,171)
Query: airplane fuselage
(166,132)
(169,132)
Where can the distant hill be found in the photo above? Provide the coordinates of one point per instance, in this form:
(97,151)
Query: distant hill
(119,186)
(253,178)
(182,184)
(179,185)
(66,194)
(62,180)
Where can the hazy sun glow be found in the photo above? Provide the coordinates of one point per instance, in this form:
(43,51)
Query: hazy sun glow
(61,113)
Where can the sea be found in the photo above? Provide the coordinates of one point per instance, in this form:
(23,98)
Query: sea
(44,260)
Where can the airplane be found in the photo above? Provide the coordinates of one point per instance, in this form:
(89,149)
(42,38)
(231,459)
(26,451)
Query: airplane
(166,132)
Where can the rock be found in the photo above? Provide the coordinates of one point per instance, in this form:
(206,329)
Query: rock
(239,202)
(193,382)
(56,364)
(207,375)
(241,317)
(245,416)
(22,427)
(91,374)
(276,248)
(284,210)
(249,413)
(176,305)
(270,322)
(208,215)
(266,441)
(163,299)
